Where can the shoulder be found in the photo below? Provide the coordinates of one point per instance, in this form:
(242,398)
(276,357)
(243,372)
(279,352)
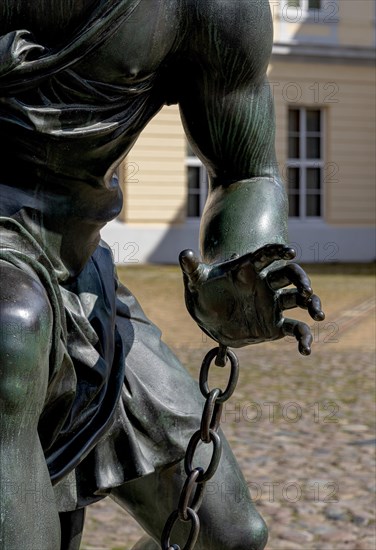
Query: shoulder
(23,300)
(232,14)
(236,9)
(25,340)
(232,32)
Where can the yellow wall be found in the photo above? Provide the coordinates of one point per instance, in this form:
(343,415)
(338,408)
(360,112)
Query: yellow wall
(155,169)
(356,22)
(154,174)
(155,183)
(347,95)
(355,26)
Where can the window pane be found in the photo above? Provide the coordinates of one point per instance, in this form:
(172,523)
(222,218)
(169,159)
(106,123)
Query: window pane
(294,120)
(313,205)
(314,4)
(193,206)
(294,206)
(193,201)
(193,177)
(304,183)
(293,3)
(313,148)
(293,178)
(314,178)
(294,148)
(313,120)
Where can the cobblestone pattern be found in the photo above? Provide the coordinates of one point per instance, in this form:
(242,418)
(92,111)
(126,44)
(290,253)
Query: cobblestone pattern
(303,430)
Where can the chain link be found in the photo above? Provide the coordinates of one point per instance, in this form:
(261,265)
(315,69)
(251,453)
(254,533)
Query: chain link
(192,493)
(191,484)
(211,417)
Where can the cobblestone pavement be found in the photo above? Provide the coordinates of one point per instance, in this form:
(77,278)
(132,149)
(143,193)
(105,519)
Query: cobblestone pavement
(303,429)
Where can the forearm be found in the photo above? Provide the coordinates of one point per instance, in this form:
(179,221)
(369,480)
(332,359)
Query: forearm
(227,111)
(242,217)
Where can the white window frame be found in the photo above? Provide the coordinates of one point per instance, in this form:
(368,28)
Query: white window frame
(202,192)
(304,6)
(303,13)
(303,162)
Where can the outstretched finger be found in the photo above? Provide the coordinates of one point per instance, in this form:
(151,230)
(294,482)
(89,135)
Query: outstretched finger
(291,298)
(270,253)
(315,308)
(291,274)
(302,333)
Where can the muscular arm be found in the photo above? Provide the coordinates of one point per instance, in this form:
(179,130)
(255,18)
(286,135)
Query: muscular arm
(228,114)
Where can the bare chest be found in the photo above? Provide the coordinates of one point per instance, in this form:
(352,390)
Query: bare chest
(137,42)
(138,47)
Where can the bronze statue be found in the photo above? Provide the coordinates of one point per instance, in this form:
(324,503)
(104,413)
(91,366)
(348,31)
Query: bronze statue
(93,403)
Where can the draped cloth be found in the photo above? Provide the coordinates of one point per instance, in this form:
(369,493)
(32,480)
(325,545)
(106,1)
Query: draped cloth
(69,128)
(25,63)
(119,404)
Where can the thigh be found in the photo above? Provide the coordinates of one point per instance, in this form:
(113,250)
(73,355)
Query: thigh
(228,517)
(161,392)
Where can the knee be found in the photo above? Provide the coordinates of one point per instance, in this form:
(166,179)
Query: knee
(258,534)
(250,535)
(245,530)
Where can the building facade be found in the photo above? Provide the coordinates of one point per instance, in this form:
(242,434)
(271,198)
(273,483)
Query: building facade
(322,77)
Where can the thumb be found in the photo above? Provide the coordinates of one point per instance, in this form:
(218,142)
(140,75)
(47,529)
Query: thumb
(192,268)
(188,262)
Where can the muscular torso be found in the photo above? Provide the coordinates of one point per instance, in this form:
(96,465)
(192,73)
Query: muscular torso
(64,136)
(81,122)
(62,139)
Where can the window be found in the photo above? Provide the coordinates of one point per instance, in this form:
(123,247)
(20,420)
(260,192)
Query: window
(314,4)
(197,179)
(318,11)
(306,5)
(305,163)
(297,16)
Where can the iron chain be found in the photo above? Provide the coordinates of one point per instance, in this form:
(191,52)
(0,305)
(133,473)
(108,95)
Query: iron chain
(192,493)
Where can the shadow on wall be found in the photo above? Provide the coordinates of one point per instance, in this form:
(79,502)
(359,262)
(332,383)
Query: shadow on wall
(177,237)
